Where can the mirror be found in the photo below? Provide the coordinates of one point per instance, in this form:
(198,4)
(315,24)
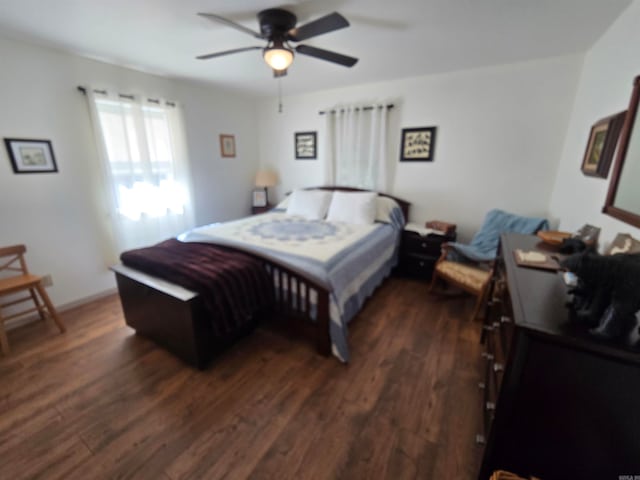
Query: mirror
(623,198)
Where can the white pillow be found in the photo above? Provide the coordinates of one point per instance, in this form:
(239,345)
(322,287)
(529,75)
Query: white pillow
(384,207)
(353,207)
(284,203)
(311,204)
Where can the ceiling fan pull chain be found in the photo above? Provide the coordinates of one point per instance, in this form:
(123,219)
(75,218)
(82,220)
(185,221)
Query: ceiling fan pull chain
(279,94)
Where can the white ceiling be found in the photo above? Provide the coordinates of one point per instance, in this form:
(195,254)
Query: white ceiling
(392,39)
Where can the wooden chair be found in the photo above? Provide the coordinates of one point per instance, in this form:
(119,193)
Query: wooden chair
(472,278)
(15,284)
(474,275)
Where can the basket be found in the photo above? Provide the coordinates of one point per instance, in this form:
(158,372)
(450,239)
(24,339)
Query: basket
(504,475)
(553,237)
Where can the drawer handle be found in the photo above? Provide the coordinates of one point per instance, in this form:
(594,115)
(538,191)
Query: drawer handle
(480,439)
(505,319)
(481,385)
(498,367)
(496,325)
(490,406)
(486,355)
(423,245)
(487,328)
(421,264)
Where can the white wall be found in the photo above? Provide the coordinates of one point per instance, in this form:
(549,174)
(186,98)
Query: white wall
(605,88)
(54,214)
(500,137)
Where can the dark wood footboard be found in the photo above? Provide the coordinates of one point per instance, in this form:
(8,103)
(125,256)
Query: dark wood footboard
(302,303)
(175,318)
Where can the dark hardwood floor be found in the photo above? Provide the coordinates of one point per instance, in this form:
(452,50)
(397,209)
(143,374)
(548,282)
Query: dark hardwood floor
(101,402)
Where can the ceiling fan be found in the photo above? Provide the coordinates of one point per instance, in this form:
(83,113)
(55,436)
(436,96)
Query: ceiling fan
(278,28)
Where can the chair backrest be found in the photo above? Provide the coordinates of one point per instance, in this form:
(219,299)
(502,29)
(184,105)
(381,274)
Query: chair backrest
(15,261)
(484,244)
(497,222)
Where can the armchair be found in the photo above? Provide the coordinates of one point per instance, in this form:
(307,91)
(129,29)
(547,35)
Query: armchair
(470,267)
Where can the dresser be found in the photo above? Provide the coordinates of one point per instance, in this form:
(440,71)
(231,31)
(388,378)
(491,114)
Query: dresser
(556,403)
(418,253)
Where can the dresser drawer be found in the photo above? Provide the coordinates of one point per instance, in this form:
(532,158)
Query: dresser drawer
(417,265)
(430,245)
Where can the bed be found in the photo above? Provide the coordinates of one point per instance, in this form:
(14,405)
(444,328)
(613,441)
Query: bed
(320,273)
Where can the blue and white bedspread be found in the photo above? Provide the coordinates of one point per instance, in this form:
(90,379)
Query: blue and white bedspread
(351,260)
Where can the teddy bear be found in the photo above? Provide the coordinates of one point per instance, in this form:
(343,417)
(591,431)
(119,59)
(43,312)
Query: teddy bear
(607,296)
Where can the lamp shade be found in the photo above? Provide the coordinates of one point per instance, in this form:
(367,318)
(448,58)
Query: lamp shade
(278,58)
(266,178)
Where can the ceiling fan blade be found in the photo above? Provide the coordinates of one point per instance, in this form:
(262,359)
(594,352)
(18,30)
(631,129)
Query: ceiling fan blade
(229,23)
(327,55)
(226,52)
(328,23)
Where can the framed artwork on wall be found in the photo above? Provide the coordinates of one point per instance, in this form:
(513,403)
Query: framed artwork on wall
(227,145)
(418,144)
(31,156)
(305,145)
(603,140)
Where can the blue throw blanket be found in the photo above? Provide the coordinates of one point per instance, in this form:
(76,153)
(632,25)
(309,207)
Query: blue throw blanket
(484,245)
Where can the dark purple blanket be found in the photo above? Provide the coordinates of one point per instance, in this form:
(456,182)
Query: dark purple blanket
(234,286)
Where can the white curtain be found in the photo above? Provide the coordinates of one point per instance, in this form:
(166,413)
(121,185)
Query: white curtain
(357,147)
(144,170)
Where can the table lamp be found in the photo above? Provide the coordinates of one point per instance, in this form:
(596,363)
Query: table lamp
(266,179)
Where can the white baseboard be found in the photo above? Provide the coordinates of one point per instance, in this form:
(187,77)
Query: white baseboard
(27,319)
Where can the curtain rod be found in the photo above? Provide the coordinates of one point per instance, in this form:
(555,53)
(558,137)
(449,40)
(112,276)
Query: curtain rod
(127,96)
(324,112)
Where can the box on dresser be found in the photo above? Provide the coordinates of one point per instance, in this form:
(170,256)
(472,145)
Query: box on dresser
(557,403)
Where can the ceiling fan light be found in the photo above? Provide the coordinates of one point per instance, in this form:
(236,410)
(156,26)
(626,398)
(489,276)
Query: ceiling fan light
(278,58)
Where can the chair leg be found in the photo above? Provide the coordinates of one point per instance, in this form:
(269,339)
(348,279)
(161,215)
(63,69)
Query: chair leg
(434,281)
(50,307)
(476,308)
(4,342)
(38,305)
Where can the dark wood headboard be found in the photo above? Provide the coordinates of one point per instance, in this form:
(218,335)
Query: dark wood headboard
(404,205)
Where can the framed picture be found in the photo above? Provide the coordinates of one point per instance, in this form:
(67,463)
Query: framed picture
(418,144)
(588,234)
(623,243)
(227,145)
(305,144)
(31,156)
(602,144)
(259,198)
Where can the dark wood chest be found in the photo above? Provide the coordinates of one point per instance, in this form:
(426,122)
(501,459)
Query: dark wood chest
(556,402)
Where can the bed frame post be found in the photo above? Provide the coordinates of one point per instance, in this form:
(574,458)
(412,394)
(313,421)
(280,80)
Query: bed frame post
(323,334)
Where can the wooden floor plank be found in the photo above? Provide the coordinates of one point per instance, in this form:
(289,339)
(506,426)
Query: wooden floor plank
(101,402)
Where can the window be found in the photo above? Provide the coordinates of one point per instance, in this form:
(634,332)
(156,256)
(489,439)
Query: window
(145,168)
(357,146)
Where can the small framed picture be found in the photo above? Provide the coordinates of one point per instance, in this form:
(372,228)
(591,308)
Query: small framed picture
(227,145)
(305,145)
(588,234)
(603,140)
(623,243)
(418,144)
(31,156)
(259,198)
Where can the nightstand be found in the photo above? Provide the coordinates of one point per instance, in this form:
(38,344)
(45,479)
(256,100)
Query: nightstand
(418,254)
(256,210)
